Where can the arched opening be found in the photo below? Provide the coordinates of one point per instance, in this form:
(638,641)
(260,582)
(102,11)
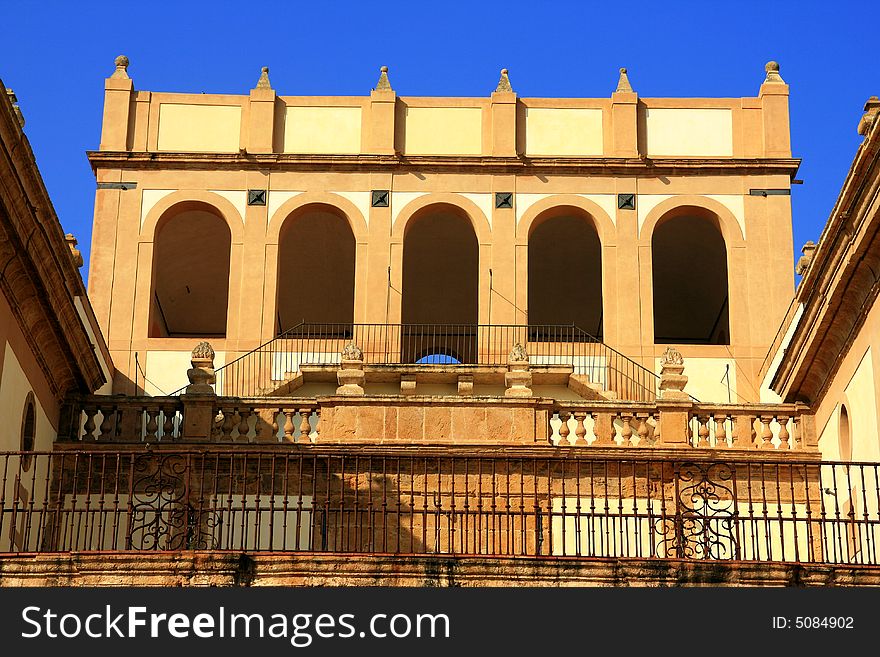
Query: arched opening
(565,272)
(28,430)
(316,260)
(440,285)
(844,439)
(691,299)
(850,506)
(190,291)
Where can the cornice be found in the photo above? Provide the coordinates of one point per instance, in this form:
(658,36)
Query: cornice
(841,284)
(600,166)
(37,274)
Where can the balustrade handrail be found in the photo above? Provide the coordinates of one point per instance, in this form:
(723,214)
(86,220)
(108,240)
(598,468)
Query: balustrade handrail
(268,366)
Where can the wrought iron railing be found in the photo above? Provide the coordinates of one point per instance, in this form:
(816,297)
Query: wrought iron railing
(451,503)
(265,369)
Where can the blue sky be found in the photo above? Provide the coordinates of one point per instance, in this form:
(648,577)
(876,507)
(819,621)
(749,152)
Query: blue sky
(55,55)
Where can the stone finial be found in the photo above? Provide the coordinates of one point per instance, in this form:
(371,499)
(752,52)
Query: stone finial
(804,261)
(623,85)
(75,253)
(518,354)
(383,83)
(504,82)
(201,376)
(872,110)
(263,82)
(518,378)
(14,100)
(121,71)
(352,352)
(672,378)
(772,69)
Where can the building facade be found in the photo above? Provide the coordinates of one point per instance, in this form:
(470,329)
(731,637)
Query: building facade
(393,340)
(643,222)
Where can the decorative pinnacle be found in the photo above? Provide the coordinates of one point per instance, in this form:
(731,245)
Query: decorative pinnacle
(504,82)
(383,83)
(623,85)
(121,67)
(772,69)
(263,82)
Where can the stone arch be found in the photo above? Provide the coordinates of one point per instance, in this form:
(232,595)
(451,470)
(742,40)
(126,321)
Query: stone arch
(178,201)
(315,271)
(564,271)
(191,271)
(547,207)
(471,210)
(680,204)
(349,210)
(690,259)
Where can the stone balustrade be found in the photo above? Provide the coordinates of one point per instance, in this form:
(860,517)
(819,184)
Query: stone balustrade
(420,420)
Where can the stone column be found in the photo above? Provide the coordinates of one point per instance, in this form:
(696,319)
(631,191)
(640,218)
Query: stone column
(199,397)
(351,373)
(518,378)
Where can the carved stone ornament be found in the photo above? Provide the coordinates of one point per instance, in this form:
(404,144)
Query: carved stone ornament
(201,375)
(518,354)
(623,85)
(75,253)
(772,69)
(383,83)
(672,357)
(203,351)
(263,82)
(872,110)
(504,82)
(352,352)
(121,67)
(804,261)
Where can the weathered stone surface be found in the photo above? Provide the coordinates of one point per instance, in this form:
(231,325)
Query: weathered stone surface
(290,569)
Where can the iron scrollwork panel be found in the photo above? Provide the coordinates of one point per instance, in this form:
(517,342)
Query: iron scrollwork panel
(704,523)
(162,515)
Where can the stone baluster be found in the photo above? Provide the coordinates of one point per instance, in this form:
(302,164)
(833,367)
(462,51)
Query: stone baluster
(107,424)
(244,415)
(152,424)
(783,432)
(288,425)
(642,430)
(580,431)
(168,423)
(228,425)
(627,430)
(305,427)
(702,430)
(766,432)
(89,426)
(563,428)
(720,431)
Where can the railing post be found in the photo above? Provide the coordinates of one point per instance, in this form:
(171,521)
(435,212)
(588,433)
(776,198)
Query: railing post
(198,400)
(674,404)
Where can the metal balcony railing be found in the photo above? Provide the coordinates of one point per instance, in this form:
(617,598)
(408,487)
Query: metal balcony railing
(266,368)
(451,503)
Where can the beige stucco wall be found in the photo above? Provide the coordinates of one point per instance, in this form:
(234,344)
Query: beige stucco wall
(705,378)
(564,131)
(444,130)
(322,130)
(689,131)
(200,128)
(856,385)
(14,389)
(166,370)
